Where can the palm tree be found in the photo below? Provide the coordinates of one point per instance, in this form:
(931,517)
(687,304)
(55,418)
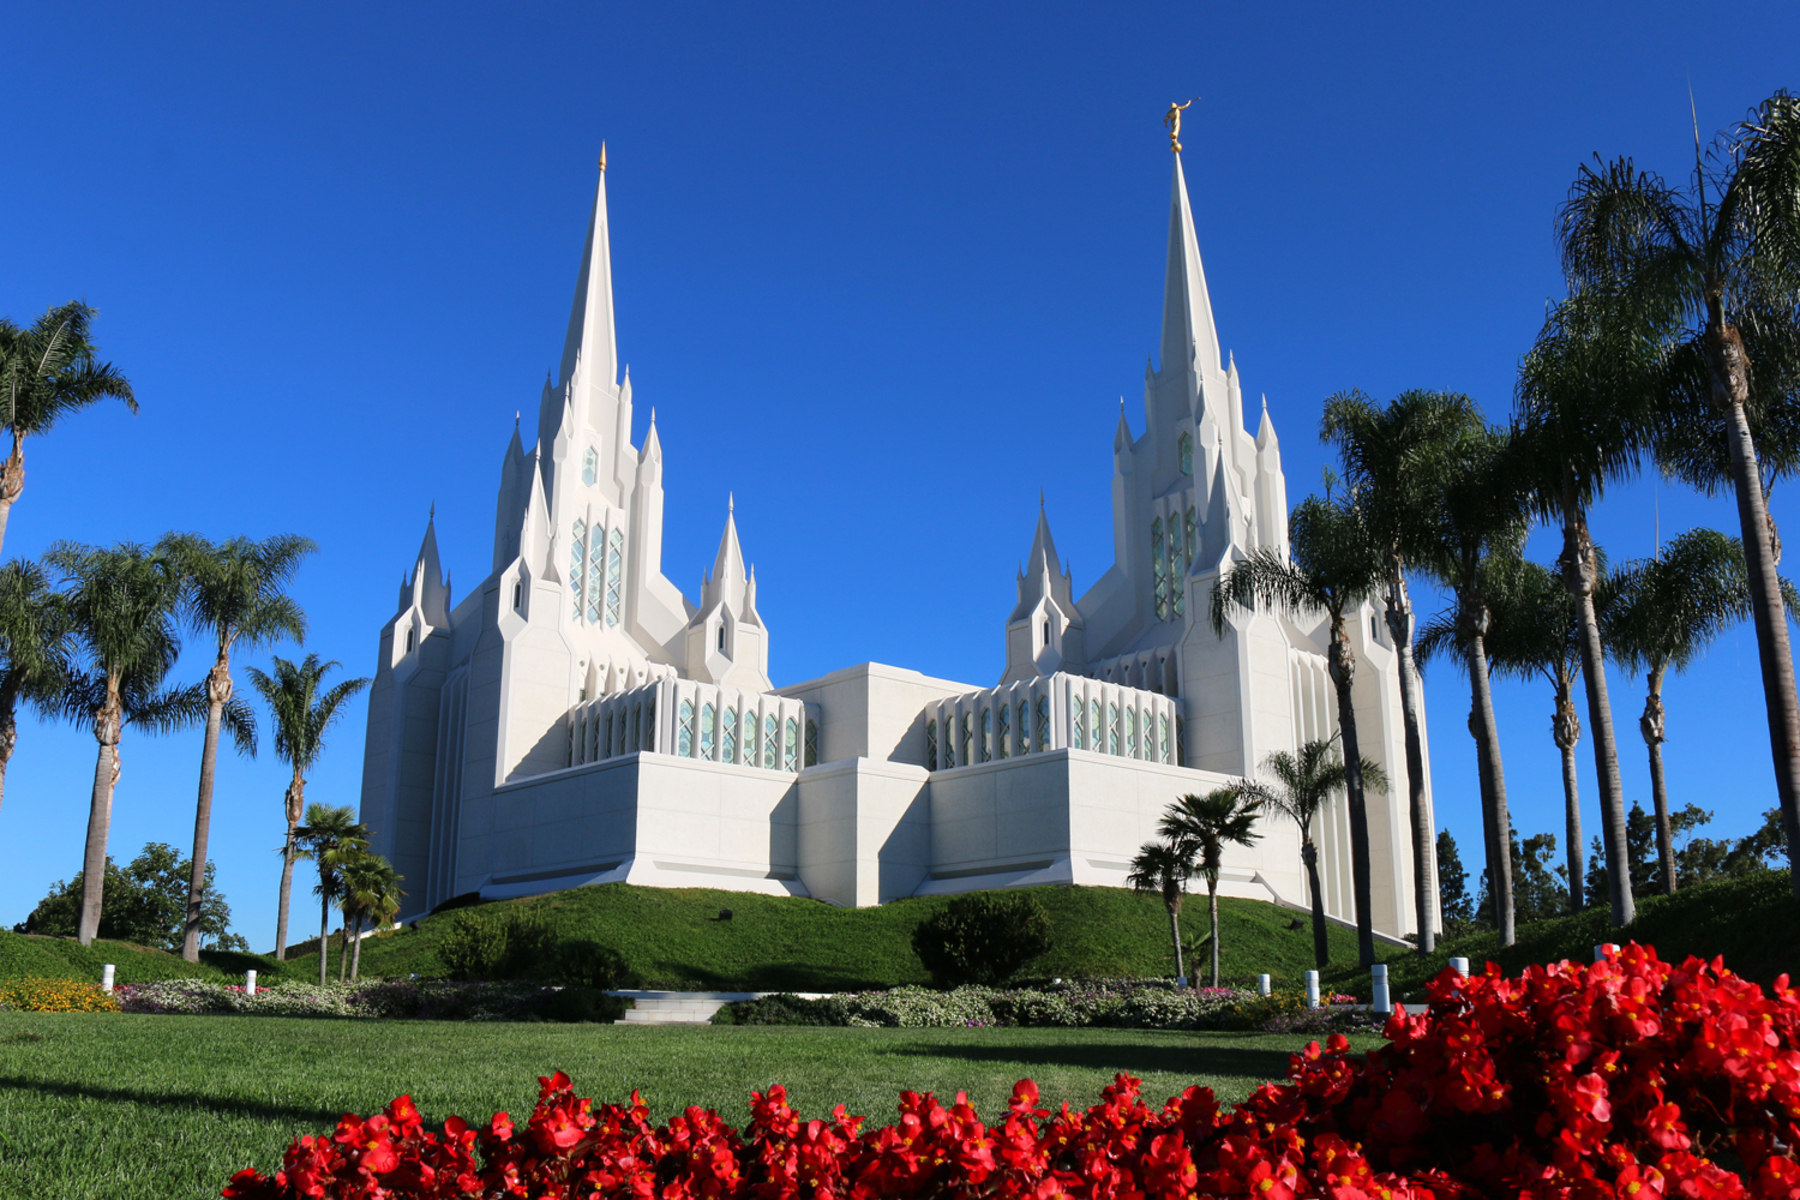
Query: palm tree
(36,648)
(234,592)
(1710,274)
(1224,816)
(371,898)
(1336,567)
(1164,867)
(1391,456)
(121,603)
(1581,422)
(302,716)
(1664,612)
(47,372)
(332,839)
(1304,782)
(1533,630)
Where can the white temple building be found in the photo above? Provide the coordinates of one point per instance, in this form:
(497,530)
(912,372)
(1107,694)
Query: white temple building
(577,719)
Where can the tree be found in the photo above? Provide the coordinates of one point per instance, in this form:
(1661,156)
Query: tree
(232,591)
(1453,887)
(1534,630)
(1163,867)
(331,838)
(1664,612)
(1538,888)
(1582,421)
(1336,567)
(146,904)
(1710,274)
(1479,524)
(1393,458)
(1223,817)
(121,604)
(983,938)
(370,900)
(1303,783)
(47,372)
(36,649)
(302,716)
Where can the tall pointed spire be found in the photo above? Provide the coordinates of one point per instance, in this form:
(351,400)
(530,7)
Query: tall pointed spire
(590,337)
(1187,309)
(728,567)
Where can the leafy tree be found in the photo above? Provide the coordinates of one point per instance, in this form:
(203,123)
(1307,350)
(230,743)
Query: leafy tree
(1223,817)
(1540,889)
(146,904)
(1303,784)
(983,938)
(1163,867)
(1454,904)
(121,604)
(302,716)
(1393,458)
(1709,274)
(47,372)
(331,838)
(1336,567)
(36,649)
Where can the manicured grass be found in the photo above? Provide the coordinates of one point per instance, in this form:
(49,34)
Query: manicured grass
(63,958)
(157,1107)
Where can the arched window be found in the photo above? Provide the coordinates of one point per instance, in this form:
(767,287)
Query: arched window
(752,731)
(1159,570)
(518,596)
(812,743)
(1001,749)
(1162,730)
(931,745)
(1112,729)
(615,572)
(1130,732)
(987,734)
(1184,446)
(721,637)
(590,467)
(684,739)
(1042,727)
(412,639)
(771,743)
(1076,712)
(578,563)
(728,735)
(706,731)
(791,746)
(1046,634)
(595,558)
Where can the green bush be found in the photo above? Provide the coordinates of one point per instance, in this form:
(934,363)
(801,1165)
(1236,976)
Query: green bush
(779,1009)
(475,947)
(523,944)
(581,1004)
(983,938)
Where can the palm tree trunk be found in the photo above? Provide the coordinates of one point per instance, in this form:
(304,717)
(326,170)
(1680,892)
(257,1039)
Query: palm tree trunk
(356,954)
(218,693)
(1212,907)
(1565,725)
(324,938)
(344,951)
(1472,622)
(295,795)
(1343,674)
(107,722)
(12,479)
(1309,857)
(1731,391)
(9,740)
(1175,936)
(1651,726)
(1579,572)
(1400,628)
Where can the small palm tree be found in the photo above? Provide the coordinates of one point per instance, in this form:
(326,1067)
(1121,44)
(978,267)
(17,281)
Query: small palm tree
(371,899)
(1164,867)
(302,715)
(1223,817)
(234,592)
(1304,782)
(47,372)
(332,839)
(36,649)
(1664,612)
(1336,567)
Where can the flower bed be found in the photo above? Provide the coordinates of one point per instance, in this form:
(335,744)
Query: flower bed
(54,995)
(430,1000)
(1623,1078)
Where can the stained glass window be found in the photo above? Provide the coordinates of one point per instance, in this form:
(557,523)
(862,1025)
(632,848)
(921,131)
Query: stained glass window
(1177,580)
(791,746)
(578,563)
(634,740)
(1095,730)
(706,731)
(931,745)
(752,731)
(1131,733)
(1162,743)
(1002,750)
(595,558)
(1042,728)
(1159,570)
(812,743)
(590,467)
(1112,729)
(1193,542)
(962,755)
(615,571)
(1185,445)
(728,735)
(771,743)
(987,734)
(684,744)
(1075,725)
(649,742)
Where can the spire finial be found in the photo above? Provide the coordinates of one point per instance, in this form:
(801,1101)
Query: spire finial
(1040,499)
(432,515)
(517,415)
(1172,119)
(653,410)
(730,502)
(603,158)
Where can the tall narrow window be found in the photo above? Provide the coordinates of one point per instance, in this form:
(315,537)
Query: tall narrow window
(1024,727)
(812,744)
(615,572)
(706,731)
(412,639)
(931,745)
(1076,732)
(1177,580)
(1159,570)
(987,734)
(728,735)
(790,745)
(721,638)
(752,731)
(771,743)
(1193,542)
(1001,749)
(590,467)
(1046,634)
(964,747)
(578,563)
(1096,732)
(1131,733)
(1112,729)
(634,739)
(518,596)
(1185,448)
(595,561)
(649,742)
(1162,740)
(684,739)
(1042,725)
(1180,743)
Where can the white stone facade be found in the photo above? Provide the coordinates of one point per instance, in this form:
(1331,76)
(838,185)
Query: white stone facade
(577,719)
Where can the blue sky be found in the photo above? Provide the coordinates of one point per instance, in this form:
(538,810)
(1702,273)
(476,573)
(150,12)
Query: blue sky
(883,271)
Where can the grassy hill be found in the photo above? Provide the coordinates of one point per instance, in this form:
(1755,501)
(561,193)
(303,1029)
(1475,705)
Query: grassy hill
(63,958)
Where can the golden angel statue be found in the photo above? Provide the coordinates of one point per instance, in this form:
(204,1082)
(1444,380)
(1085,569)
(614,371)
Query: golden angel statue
(1173,120)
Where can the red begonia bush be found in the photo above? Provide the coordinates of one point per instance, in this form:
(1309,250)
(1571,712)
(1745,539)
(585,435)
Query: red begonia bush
(1628,1078)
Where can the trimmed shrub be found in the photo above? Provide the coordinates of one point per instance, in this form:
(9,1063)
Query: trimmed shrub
(519,944)
(982,938)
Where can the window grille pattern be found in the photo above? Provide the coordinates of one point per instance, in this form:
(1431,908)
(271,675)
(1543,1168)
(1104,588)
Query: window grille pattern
(1185,447)
(812,744)
(1159,568)
(1177,576)
(684,737)
(1130,733)
(615,571)
(1193,542)
(1112,729)
(1075,726)
(590,467)
(1002,750)
(931,763)
(1043,723)
(595,558)
(728,735)
(791,746)
(987,734)
(578,563)
(771,743)
(1162,742)
(706,731)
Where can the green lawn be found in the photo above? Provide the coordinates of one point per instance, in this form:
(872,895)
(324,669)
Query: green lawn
(158,1107)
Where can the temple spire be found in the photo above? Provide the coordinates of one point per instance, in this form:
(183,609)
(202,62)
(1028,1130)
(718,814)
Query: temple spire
(1187,330)
(590,340)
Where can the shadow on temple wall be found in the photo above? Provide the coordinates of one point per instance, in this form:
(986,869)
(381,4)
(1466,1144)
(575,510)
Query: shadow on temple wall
(549,753)
(784,832)
(905,856)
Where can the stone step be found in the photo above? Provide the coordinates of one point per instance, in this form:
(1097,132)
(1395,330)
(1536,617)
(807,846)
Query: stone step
(684,1008)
